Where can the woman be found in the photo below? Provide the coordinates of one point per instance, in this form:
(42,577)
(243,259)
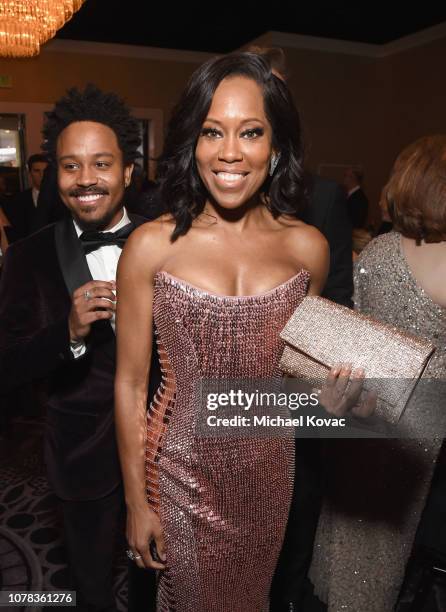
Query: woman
(366,531)
(220,274)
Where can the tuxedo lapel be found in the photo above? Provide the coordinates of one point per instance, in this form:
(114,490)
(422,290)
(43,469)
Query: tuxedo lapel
(76,272)
(136,220)
(71,256)
(72,260)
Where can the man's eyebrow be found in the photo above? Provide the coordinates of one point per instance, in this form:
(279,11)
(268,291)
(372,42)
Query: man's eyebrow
(104,154)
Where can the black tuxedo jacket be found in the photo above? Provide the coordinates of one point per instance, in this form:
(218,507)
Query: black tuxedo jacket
(327,211)
(40,274)
(358,208)
(21,213)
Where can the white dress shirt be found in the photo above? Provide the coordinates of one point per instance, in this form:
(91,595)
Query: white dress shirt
(102,264)
(357,188)
(35,195)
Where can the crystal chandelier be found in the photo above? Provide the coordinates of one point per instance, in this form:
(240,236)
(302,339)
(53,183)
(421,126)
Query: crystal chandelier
(27,24)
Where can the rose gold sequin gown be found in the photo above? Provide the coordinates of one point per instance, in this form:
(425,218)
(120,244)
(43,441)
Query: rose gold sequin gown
(223,502)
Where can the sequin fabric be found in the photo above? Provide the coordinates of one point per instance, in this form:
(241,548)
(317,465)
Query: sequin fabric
(386,352)
(223,502)
(377,488)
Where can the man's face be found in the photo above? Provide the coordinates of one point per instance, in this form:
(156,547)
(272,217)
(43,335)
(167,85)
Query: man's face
(36,174)
(91,174)
(350,181)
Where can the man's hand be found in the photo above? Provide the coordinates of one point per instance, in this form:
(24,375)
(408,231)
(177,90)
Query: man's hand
(92,302)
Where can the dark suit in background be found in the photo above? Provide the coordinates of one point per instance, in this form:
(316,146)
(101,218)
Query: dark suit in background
(21,213)
(327,211)
(40,274)
(358,209)
(50,207)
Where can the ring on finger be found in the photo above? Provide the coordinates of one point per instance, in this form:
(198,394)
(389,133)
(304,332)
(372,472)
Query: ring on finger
(131,555)
(87,295)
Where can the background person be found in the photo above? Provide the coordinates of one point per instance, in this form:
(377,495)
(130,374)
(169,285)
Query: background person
(378,488)
(22,209)
(357,202)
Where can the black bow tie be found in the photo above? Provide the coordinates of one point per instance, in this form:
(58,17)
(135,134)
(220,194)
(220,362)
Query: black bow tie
(91,241)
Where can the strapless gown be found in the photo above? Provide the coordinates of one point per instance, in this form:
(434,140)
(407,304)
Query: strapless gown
(223,502)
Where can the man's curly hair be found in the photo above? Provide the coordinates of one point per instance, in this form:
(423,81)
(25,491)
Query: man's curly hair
(92,104)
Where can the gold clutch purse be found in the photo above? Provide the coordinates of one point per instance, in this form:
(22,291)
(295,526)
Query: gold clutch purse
(321,334)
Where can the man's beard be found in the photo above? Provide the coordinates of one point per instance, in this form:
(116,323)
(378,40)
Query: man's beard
(94,224)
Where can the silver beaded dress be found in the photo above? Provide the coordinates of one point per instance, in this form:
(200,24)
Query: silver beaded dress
(377,488)
(223,502)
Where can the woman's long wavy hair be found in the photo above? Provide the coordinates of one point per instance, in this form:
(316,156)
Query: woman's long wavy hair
(182,192)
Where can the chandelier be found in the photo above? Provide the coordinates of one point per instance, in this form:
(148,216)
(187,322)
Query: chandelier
(27,24)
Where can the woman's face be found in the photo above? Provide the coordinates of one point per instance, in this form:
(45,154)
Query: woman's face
(235,144)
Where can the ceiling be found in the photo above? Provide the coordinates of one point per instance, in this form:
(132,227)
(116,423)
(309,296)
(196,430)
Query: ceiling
(222,27)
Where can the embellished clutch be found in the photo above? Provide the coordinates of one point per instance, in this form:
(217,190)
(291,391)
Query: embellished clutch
(321,334)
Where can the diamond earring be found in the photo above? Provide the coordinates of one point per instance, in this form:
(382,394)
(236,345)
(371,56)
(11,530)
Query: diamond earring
(275,157)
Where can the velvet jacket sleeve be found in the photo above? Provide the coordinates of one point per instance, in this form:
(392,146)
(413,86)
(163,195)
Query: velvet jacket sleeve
(34,336)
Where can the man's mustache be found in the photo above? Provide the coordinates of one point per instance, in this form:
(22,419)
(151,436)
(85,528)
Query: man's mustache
(76,193)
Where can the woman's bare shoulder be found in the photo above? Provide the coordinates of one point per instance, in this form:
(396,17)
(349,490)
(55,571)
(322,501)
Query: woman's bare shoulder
(148,234)
(306,245)
(149,245)
(302,235)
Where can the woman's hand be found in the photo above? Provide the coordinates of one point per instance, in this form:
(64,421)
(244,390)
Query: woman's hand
(143,526)
(341,393)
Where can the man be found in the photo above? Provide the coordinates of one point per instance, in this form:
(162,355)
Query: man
(291,590)
(327,210)
(22,208)
(357,202)
(57,307)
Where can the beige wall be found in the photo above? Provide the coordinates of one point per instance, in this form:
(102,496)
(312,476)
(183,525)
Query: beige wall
(151,86)
(143,82)
(340,97)
(418,92)
(357,108)
(364,108)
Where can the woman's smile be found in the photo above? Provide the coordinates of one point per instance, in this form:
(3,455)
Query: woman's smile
(230,180)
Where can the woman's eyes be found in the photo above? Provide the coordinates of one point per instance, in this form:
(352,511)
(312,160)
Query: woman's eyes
(249,134)
(252,133)
(211,133)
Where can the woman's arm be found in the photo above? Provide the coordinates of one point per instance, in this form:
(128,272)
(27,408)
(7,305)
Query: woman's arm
(342,389)
(312,250)
(136,270)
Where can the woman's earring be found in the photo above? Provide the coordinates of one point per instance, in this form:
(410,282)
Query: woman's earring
(275,157)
